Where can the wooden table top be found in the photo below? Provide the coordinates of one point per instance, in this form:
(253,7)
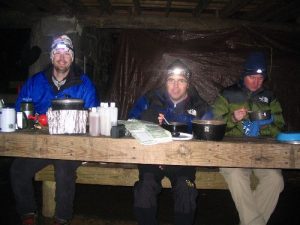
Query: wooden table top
(231,152)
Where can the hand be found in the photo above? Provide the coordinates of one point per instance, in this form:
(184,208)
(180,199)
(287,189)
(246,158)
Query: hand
(239,114)
(160,118)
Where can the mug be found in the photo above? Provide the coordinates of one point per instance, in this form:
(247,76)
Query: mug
(7,120)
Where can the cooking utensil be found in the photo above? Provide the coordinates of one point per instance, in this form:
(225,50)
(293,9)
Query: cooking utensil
(211,130)
(259,115)
(175,128)
(166,121)
(68,104)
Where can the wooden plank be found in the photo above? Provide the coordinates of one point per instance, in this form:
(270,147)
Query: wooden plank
(254,153)
(122,176)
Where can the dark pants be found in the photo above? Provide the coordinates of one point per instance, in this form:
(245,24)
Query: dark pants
(148,187)
(22,172)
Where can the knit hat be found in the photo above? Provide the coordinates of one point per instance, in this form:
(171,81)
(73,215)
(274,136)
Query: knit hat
(178,67)
(64,43)
(255,64)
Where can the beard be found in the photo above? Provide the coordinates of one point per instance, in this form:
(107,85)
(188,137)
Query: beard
(60,69)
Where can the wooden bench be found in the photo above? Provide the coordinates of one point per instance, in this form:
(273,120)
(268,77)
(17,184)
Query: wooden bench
(118,175)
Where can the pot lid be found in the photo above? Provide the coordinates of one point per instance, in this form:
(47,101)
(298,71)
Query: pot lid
(67,101)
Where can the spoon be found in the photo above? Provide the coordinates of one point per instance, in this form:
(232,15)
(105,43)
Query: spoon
(166,121)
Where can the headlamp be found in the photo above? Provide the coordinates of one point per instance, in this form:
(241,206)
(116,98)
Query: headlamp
(259,71)
(178,71)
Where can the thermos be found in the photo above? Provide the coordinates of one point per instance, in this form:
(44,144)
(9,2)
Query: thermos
(23,118)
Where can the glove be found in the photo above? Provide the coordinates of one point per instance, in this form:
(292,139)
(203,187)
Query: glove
(252,129)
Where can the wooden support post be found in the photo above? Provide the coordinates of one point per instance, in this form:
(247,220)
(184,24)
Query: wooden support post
(48,198)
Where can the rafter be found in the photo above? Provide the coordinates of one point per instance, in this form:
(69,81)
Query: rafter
(232,7)
(201,5)
(137,7)
(168,7)
(105,6)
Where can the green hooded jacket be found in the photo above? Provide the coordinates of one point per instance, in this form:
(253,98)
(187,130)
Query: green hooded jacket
(236,97)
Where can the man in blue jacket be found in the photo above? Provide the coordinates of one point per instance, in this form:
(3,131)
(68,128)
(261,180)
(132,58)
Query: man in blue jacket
(177,102)
(62,79)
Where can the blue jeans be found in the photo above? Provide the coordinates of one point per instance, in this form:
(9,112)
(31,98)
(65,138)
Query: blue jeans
(22,173)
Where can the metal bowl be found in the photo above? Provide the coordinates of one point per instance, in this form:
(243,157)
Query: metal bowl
(175,128)
(67,104)
(210,130)
(259,115)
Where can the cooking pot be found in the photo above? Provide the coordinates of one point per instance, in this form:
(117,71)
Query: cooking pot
(68,104)
(259,115)
(211,130)
(175,128)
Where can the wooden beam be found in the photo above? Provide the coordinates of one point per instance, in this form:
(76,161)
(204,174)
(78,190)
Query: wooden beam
(238,152)
(168,7)
(202,4)
(137,7)
(171,23)
(232,7)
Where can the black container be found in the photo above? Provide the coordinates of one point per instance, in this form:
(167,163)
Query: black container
(27,108)
(210,130)
(259,115)
(67,104)
(176,128)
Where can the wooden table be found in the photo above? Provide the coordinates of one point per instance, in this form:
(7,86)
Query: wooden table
(231,152)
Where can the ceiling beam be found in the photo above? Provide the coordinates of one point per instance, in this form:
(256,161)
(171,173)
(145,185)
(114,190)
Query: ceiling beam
(171,23)
(201,5)
(168,7)
(137,7)
(232,7)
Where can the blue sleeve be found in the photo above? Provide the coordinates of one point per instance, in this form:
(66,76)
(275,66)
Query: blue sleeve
(24,95)
(90,95)
(140,106)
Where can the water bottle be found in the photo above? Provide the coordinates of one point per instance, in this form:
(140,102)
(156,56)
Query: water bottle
(94,122)
(113,114)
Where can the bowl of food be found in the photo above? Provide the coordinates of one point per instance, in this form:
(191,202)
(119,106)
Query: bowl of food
(259,115)
(176,128)
(210,130)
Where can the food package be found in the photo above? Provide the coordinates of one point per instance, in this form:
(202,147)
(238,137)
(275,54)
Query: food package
(67,121)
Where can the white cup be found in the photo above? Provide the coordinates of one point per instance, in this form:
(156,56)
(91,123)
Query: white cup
(7,120)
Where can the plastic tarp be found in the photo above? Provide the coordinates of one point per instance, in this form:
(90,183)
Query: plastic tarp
(215,59)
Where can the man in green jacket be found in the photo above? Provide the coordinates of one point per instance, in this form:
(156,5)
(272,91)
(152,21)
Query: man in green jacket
(233,106)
